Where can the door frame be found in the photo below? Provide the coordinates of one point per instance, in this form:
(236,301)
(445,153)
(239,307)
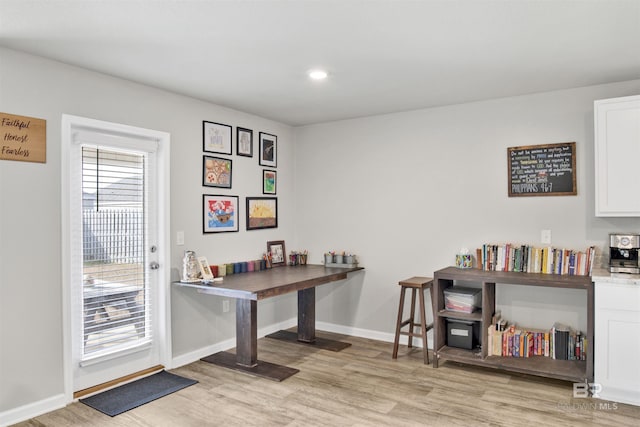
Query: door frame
(69,124)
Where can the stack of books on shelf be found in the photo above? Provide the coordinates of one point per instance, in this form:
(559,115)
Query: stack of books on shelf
(530,259)
(560,342)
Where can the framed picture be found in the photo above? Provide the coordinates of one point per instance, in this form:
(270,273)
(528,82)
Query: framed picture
(216,172)
(269,179)
(542,170)
(244,142)
(205,270)
(268,150)
(216,138)
(219,213)
(262,212)
(278,253)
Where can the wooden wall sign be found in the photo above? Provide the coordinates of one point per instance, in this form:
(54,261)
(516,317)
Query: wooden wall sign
(23,138)
(542,170)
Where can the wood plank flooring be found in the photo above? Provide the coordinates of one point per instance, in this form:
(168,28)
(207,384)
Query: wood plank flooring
(359,386)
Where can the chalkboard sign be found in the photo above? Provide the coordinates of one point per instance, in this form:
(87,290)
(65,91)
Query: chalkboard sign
(542,170)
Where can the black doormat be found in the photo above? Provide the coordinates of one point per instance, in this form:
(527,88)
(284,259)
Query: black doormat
(137,393)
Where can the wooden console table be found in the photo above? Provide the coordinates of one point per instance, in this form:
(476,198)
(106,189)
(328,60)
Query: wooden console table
(247,289)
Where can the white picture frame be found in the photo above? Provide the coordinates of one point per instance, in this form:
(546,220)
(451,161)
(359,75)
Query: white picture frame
(205,270)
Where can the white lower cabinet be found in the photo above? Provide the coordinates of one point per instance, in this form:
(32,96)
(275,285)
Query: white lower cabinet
(617,340)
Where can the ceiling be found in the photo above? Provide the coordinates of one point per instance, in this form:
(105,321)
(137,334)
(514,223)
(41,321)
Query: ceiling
(382,56)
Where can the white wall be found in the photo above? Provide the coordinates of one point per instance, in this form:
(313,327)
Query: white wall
(31,320)
(404,191)
(407,191)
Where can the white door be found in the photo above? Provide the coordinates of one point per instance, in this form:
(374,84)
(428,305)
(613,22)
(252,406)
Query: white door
(115,260)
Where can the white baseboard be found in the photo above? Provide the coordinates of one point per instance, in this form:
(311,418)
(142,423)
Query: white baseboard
(32,410)
(185,359)
(371,334)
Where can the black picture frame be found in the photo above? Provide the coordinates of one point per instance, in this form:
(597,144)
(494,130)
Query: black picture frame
(244,142)
(278,253)
(542,170)
(269,181)
(268,150)
(217,172)
(220,213)
(262,212)
(217,138)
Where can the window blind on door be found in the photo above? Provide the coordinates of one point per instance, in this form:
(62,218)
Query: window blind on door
(115,295)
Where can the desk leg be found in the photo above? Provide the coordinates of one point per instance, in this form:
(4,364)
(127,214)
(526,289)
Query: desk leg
(307,315)
(246,332)
(307,325)
(246,357)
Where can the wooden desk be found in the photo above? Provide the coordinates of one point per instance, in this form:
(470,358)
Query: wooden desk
(247,289)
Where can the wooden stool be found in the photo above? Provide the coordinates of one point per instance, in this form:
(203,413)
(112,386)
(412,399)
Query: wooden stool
(416,284)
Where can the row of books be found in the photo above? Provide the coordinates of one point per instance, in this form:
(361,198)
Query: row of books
(530,259)
(560,342)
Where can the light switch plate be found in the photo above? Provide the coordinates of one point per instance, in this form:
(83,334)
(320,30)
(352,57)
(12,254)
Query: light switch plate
(545,237)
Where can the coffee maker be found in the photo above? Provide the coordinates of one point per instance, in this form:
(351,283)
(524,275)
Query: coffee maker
(624,250)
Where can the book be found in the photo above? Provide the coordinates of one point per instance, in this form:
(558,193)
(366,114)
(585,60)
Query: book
(561,340)
(530,259)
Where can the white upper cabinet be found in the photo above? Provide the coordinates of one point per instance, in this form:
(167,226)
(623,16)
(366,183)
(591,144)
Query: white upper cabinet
(617,155)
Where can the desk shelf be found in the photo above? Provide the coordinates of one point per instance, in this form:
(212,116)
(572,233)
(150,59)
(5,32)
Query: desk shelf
(568,370)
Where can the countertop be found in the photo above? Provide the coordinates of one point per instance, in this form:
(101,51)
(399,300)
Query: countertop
(603,275)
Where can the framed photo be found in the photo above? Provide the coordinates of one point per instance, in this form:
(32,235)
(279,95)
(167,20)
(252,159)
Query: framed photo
(268,150)
(205,270)
(219,213)
(262,212)
(269,180)
(216,138)
(216,172)
(278,253)
(244,142)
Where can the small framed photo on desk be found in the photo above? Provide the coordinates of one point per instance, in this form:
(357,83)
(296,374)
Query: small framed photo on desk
(277,251)
(205,270)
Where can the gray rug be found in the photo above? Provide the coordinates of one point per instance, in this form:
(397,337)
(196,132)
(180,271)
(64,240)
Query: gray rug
(137,393)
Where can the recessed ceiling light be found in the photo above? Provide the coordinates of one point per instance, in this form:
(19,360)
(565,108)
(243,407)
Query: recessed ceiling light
(317,74)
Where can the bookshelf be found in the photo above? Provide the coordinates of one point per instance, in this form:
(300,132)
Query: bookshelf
(568,370)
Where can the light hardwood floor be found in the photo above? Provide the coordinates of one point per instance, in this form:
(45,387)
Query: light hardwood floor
(359,386)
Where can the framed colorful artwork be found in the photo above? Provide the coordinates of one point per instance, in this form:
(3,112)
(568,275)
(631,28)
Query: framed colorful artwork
(216,172)
(268,150)
(244,142)
(219,213)
(278,252)
(262,212)
(269,179)
(216,138)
